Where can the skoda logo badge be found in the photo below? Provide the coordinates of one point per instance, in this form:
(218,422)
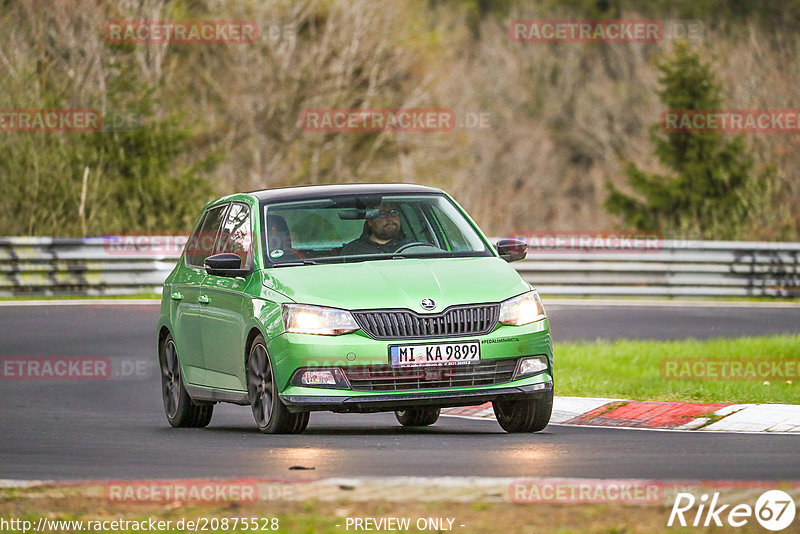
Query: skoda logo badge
(428,304)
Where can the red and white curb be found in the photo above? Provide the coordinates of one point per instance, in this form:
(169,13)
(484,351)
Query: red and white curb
(661,415)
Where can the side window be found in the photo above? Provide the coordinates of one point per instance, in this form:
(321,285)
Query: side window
(201,244)
(236,235)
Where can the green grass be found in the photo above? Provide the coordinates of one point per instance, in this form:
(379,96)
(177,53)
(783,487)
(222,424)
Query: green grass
(632,370)
(72,502)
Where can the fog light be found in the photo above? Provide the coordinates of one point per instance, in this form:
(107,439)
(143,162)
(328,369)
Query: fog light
(530,366)
(329,377)
(317,378)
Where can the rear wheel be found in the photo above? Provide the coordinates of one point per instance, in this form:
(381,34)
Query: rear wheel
(530,415)
(180,409)
(271,415)
(417,416)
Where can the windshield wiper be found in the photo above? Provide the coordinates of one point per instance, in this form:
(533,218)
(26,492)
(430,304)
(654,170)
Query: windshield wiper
(371,257)
(368,257)
(296,263)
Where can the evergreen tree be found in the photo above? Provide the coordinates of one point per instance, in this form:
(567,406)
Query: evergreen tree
(712,193)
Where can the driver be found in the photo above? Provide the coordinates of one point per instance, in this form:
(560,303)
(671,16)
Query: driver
(383,233)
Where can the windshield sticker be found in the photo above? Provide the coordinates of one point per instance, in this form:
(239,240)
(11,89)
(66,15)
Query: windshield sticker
(277,253)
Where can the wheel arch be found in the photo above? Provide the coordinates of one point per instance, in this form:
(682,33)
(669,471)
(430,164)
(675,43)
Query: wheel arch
(163,332)
(251,336)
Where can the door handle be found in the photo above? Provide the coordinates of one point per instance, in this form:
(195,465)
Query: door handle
(176,296)
(202,299)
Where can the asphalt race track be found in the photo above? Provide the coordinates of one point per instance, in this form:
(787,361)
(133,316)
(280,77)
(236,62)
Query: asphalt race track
(115,428)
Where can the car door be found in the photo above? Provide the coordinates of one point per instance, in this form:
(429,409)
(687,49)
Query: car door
(223,324)
(186,296)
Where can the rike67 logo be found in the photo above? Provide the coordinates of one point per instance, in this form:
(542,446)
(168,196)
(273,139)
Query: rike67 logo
(774,510)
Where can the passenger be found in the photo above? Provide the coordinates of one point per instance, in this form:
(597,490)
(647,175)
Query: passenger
(280,240)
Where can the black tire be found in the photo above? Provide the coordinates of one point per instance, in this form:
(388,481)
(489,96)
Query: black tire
(180,409)
(530,415)
(417,416)
(271,415)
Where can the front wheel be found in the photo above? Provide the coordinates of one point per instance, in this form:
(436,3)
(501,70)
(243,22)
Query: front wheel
(271,415)
(417,416)
(181,411)
(529,415)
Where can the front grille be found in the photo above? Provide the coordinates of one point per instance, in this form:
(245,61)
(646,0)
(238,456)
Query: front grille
(387,378)
(456,321)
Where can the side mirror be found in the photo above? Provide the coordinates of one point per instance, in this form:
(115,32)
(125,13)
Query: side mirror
(225,264)
(512,249)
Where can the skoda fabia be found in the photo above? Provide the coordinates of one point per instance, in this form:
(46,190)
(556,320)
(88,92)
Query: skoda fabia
(350,298)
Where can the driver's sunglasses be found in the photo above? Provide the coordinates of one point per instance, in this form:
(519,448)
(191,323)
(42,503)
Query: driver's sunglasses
(388,213)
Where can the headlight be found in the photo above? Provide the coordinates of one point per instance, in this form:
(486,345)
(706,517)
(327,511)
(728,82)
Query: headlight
(523,309)
(305,319)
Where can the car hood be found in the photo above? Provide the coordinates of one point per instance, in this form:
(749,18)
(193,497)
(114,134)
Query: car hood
(398,283)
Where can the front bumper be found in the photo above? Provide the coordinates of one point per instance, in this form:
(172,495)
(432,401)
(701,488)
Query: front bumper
(293,351)
(399,401)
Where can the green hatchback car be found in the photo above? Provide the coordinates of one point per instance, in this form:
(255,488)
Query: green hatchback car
(350,298)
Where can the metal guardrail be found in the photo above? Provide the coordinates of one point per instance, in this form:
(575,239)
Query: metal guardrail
(94,266)
(673,269)
(104,266)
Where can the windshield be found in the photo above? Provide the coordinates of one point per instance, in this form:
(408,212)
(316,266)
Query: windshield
(368,227)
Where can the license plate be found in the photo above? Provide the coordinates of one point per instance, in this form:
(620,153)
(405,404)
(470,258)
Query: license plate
(438,354)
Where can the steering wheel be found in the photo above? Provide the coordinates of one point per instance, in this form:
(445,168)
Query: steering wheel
(414,244)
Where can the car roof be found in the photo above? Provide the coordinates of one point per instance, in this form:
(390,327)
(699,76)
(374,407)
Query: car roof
(323,191)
